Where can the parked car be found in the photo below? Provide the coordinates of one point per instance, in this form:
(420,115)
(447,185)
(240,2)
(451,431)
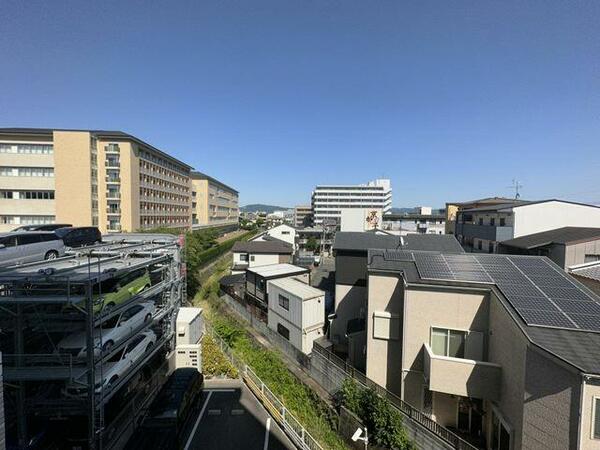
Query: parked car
(116,367)
(112,332)
(45,227)
(79,236)
(29,246)
(170,412)
(116,290)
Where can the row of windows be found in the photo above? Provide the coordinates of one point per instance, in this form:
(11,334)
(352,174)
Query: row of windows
(350,200)
(151,157)
(27,195)
(26,171)
(27,220)
(27,149)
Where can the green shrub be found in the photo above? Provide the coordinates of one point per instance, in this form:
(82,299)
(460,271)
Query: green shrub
(383,421)
(214,362)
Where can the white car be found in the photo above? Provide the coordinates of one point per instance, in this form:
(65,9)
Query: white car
(116,367)
(112,332)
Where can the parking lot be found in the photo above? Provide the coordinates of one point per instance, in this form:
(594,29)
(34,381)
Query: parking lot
(230,417)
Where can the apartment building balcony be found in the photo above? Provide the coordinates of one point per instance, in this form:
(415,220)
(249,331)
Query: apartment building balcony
(463,377)
(113,179)
(112,148)
(113,211)
(113,195)
(113,163)
(487,232)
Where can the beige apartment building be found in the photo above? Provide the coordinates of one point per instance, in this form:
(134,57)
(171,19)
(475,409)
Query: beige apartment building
(213,203)
(504,350)
(107,179)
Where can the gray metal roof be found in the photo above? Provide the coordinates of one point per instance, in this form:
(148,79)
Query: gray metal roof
(579,348)
(519,203)
(276,246)
(357,241)
(564,235)
(590,271)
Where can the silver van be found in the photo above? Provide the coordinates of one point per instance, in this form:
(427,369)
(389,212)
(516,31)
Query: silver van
(24,247)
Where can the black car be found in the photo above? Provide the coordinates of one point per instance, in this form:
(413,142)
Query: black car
(46,227)
(79,236)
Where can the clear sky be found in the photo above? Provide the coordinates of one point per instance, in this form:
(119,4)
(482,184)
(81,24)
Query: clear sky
(449,99)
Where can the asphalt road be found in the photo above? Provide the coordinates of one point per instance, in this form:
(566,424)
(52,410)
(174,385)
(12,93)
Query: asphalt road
(230,417)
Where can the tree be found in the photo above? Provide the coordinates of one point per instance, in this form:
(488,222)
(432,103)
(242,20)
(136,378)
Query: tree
(312,244)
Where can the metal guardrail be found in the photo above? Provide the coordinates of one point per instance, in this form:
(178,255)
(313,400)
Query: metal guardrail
(292,426)
(418,416)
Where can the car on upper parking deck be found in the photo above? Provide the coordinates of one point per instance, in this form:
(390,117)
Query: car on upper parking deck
(29,246)
(79,236)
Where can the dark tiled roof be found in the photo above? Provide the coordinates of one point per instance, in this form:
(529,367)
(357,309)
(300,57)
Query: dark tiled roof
(357,241)
(263,247)
(579,348)
(350,240)
(565,235)
(432,242)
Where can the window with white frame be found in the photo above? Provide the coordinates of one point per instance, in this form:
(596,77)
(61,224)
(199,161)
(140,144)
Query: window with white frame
(243,256)
(447,342)
(284,302)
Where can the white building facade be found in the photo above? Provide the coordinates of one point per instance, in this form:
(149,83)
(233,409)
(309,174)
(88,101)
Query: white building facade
(296,312)
(328,201)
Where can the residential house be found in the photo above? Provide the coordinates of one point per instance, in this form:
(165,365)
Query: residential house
(566,246)
(350,251)
(283,232)
(454,207)
(296,312)
(257,278)
(503,349)
(481,229)
(260,253)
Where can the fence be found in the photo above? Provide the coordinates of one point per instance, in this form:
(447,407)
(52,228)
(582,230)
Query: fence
(276,407)
(331,379)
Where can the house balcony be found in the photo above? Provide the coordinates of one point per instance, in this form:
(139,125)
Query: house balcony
(464,377)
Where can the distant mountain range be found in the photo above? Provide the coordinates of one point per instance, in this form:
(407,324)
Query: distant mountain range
(263,208)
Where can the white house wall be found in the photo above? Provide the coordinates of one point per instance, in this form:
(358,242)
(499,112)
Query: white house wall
(546,216)
(284,233)
(263,259)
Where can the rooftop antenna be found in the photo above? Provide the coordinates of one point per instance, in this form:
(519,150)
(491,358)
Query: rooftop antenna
(516,186)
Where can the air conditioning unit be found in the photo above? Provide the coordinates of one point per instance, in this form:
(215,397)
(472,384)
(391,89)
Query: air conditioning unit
(188,355)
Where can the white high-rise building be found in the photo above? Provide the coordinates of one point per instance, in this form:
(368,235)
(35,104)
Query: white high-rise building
(328,201)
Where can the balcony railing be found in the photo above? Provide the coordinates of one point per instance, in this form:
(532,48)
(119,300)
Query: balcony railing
(113,210)
(464,377)
(113,179)
(113,163)
(113,195)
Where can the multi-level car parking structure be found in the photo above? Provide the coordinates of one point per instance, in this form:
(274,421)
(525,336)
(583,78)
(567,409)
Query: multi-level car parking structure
(93,394)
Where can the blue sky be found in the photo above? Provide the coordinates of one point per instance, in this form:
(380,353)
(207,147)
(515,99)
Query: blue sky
(451,100)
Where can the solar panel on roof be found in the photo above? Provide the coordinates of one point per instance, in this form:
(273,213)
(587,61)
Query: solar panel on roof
(541,293)
(545,318)
(586,321)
